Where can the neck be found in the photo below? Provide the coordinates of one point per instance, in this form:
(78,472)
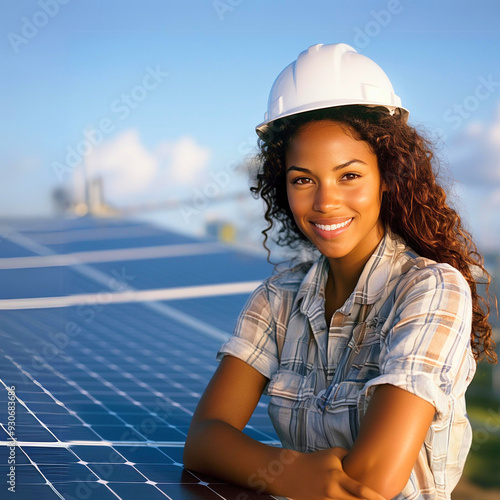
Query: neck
(342,280)
(344,274)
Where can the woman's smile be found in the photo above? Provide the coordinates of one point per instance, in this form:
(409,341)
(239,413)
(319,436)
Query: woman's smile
(333,229)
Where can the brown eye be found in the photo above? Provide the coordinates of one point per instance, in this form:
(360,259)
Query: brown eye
(300,180)
(350,176)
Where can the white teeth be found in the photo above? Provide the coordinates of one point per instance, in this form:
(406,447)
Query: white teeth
(332,227)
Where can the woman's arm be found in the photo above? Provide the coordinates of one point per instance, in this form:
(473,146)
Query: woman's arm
(217,446)
(390,437)
(424,351)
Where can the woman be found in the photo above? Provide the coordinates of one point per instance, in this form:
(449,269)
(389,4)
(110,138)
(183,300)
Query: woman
(366,350)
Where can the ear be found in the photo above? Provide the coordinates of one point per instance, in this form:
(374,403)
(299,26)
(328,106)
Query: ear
(384,188)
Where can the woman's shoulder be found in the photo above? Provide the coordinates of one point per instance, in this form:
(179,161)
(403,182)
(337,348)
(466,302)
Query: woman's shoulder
(286,279)
(276,294)
(422,272)
(289,275)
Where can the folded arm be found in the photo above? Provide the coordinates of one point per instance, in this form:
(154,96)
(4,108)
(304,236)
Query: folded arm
(217,446)
(390,437)
(215,443)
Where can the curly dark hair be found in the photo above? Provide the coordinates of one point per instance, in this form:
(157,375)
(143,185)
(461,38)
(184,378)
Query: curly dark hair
(414,207)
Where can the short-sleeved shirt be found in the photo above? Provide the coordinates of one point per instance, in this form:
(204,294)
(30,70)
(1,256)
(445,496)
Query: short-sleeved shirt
(407,323)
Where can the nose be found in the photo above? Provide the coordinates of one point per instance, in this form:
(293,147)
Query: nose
(326,198)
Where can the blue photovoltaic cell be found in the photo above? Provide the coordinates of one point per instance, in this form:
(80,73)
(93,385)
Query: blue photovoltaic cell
(105,392)
(137,239)
(223,267)
(9,249)
(44,282)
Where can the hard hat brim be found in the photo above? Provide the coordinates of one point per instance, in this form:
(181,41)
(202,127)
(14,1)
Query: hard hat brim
(263,127)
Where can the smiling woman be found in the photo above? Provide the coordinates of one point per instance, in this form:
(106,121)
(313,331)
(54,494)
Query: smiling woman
(367,350)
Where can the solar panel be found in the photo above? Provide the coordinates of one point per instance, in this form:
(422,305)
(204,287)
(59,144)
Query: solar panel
(108,332)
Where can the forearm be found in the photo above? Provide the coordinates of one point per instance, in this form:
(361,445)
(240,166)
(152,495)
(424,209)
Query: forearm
(219,449)
(367,471)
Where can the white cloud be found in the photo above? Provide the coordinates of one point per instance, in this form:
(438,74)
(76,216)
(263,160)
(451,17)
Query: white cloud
(185,160)
(494,133)
(124,163)
(475,152)
(131,173)
(475,159)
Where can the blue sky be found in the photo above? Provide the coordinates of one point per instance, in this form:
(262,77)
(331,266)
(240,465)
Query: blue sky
(212,64)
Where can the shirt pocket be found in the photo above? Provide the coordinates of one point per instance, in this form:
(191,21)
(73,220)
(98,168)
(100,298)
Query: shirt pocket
(364,359)
(341,414)
(290,389)
(344,395)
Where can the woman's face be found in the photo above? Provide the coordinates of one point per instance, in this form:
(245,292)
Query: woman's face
(334,190)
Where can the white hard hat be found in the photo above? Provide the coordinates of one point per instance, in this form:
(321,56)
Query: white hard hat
(325,76)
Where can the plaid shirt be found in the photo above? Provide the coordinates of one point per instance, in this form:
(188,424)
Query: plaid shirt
(407,323)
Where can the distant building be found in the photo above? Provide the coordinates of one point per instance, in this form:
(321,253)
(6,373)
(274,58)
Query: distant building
(62,200)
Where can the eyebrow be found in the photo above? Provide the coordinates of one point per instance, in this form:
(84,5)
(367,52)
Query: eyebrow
(338,167)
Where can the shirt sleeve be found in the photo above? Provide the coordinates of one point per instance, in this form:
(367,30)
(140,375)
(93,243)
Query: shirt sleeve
(254,336)
(427,347)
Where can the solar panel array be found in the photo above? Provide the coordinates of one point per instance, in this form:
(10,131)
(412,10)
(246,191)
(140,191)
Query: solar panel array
(108,335)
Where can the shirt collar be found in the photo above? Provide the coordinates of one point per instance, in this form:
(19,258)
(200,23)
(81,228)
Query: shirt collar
(371,284)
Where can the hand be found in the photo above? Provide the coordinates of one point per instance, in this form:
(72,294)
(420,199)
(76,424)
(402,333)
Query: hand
(320,476)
